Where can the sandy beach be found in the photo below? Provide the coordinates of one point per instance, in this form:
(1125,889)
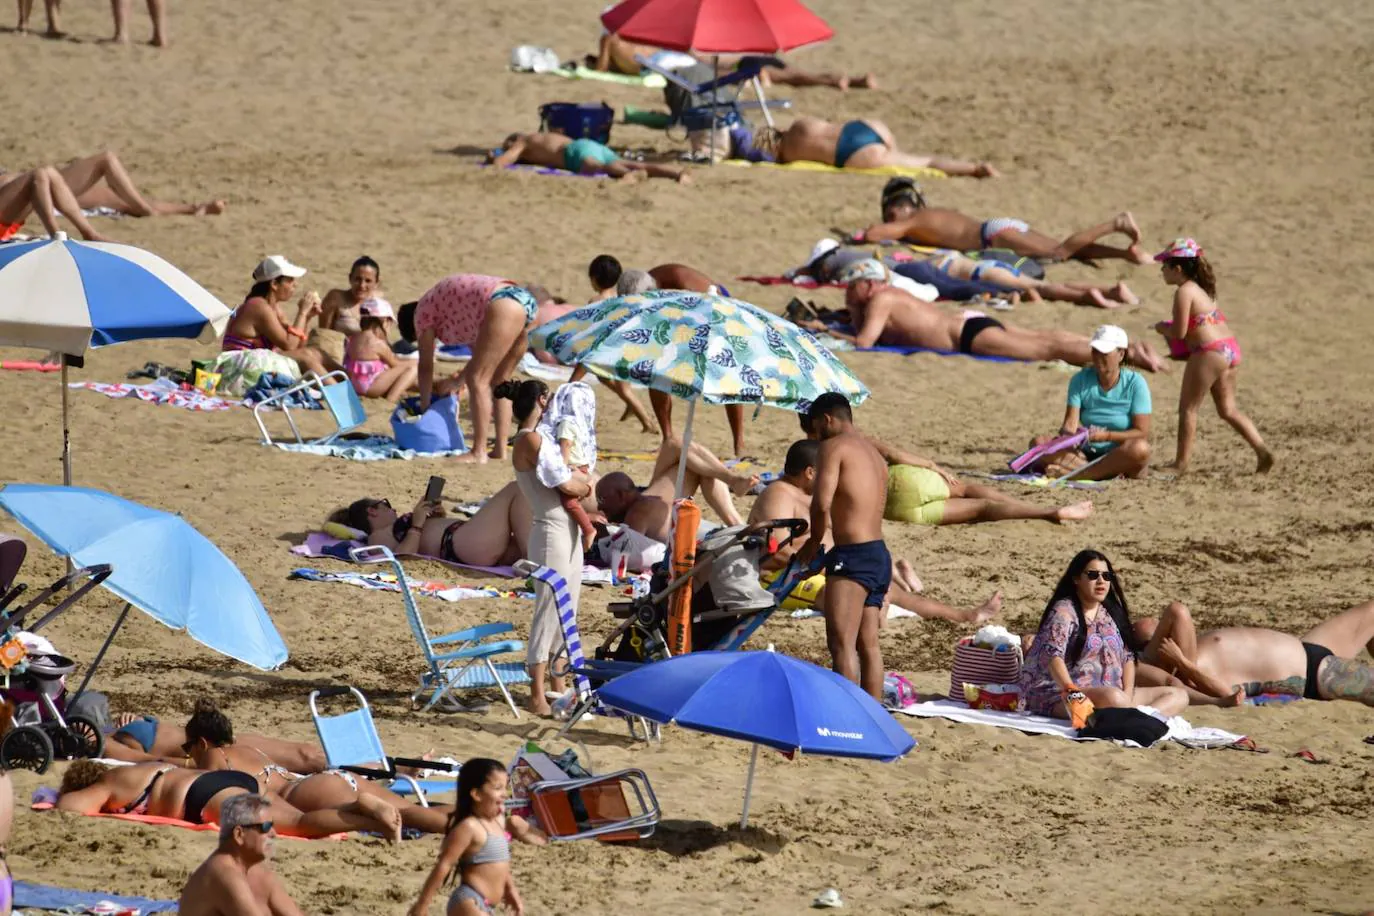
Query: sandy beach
(331,129)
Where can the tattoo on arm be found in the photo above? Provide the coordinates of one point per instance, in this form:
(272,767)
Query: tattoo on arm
(1289,686)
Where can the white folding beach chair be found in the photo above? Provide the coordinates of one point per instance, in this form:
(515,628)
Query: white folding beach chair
(334,390)
(464,660)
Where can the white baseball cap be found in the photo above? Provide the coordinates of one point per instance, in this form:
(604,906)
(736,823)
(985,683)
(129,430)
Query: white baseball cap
(867,269)
(376,307)
(276,266)
(821,249)
(1109,337)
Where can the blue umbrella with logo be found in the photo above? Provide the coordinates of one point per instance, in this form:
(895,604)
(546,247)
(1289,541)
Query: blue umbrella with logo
(765,698)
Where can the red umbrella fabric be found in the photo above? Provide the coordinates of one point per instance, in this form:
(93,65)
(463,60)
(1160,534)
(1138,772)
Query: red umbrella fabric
(717,26)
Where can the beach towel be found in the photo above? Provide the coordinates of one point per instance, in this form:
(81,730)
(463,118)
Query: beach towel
(271,384)
(319,544)
(847,347)
(161,391)
(545,170)
(1180,730)
(579,72)
(451,353)
(887,170)
(386,582)
(372,448)
(1040,480)
(803,282)
(28,895)
(626,456)
(239,370)
(155,821)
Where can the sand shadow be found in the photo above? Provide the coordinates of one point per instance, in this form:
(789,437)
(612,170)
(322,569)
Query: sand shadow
(293,537)
(682,837)
(464,149)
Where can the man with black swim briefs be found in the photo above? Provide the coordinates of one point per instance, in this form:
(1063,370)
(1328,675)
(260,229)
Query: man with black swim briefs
(847,503)
(883,314)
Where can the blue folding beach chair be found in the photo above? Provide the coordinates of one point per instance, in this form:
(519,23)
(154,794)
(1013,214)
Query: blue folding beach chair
(334,390)
(463,660)
(351,743)
(715,102)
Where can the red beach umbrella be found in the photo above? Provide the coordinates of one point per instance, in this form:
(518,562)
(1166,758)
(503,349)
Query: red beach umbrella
(717,26)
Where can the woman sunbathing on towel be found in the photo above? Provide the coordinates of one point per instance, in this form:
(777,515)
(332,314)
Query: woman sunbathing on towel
(258,324)
(1085,644)
(496,535)
(210,746)
(866,144)
(166,790)
(145,739)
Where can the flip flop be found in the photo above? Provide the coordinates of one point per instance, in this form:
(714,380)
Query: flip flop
(828,899)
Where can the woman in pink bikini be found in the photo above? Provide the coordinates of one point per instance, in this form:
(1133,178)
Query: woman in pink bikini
(1213,351)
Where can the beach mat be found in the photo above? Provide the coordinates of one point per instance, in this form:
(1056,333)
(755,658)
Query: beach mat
(1180,730)
(28,895)
(544,170)
(799,282)
(154,821)
(386,582)
(160,391)
(372,448)
(887,170)
(319,544)
(579,72)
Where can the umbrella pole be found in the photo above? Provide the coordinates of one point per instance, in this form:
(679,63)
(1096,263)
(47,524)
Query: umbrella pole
(90,672)
(749,787)
(681,467)
(66,433)
(715,113)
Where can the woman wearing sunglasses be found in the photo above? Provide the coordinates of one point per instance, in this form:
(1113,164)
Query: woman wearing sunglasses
(1085,643)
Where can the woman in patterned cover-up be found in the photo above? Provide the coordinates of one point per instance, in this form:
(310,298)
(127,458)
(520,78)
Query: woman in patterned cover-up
(1085,643)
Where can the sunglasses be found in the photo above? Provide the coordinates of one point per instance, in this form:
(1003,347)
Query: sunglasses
(265,827)
(1093,575)
(382,502)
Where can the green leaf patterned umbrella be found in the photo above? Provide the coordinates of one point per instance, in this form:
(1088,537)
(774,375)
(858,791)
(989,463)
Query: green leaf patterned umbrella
(699,346)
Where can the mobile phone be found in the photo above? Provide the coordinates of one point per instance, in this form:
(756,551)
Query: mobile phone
(434,490)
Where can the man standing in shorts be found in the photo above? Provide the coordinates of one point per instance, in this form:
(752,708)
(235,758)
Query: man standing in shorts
(847,504)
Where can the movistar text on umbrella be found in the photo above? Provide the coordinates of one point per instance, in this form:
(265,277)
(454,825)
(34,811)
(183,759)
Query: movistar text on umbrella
(830,733)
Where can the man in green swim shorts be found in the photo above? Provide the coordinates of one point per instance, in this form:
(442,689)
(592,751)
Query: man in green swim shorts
(582,156)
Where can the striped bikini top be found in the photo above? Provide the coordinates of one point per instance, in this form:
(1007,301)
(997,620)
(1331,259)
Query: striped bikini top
(495,849)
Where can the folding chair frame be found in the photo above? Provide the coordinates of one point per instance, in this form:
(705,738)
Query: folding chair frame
(642,824)
(282,399)
(446,668)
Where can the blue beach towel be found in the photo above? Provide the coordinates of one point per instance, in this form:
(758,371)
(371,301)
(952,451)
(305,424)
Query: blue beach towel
(47,897)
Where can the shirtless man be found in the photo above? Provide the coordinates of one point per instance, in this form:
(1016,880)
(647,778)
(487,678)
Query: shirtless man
(1222,667)
(164,790)
(237,879)
(950,501)
(790,497)
(583,156)
(606,269)
(886,315)
(859,144)
(847,510)
(647,509)
(907,218)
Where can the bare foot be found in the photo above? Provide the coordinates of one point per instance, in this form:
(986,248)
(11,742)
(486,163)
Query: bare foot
(633,176)
(684,177)
(648,430)
(539,707)
(1122,293)
(1125,223)
(842,84)
(1141,354)
(1266,461)
(158,41)
(1174,467)
(867,81)
(387,817)
(740,484)
(1074,512)
(212,208)
(906,575)
(985,170)
(1096,298)
(1235,699)
(472,457)
(989,610)
(1138,255)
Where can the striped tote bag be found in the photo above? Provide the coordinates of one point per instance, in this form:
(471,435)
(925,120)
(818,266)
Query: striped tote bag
(981,665)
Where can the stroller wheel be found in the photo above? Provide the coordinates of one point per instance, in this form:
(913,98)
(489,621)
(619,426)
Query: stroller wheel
(81,739)
(26,748)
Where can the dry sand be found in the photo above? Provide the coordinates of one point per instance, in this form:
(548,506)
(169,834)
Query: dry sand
(327,127)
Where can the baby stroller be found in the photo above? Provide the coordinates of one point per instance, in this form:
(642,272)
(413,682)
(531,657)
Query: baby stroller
(41,725)
(728,603)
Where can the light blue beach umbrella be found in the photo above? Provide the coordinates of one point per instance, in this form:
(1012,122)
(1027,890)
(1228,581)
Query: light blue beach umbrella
(161,565)
(66,297)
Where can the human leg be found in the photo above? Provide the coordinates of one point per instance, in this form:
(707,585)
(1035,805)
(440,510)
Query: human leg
(662,404)
(1224,396)
(928,608)
(393,382)
(1176,623)
(52,9)
(50,192)
(627,396)
(482,539)
(1170,701)
(623,169)
(1129,459)
(120,9)
(83,174)
(1202,371)
(158,13)
(1346,633)
(734,415)
(1346,679)
(871,673)
(972,509)
(363,813)
(844,609)
(501,333)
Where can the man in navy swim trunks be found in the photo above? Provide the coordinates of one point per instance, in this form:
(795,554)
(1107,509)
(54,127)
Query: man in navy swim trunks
(847,502)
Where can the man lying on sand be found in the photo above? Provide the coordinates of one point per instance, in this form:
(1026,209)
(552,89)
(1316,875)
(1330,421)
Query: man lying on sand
(886,315)
(1224,667)
(583,156)
(238,875)
(920,491)
(907,218)
(790,497)
(74,187)
(860,144)
(164,790)
(646,509)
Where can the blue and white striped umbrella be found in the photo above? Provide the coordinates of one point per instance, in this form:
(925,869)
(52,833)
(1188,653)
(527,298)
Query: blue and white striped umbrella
(68,296)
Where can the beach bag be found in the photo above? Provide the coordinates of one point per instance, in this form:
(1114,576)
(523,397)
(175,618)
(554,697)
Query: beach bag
(898,692)
(590,120)
(1114,724)
(436,430)
(979,665)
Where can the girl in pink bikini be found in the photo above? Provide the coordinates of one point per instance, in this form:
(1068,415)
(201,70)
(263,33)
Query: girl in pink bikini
(371,365)
(1213,351)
